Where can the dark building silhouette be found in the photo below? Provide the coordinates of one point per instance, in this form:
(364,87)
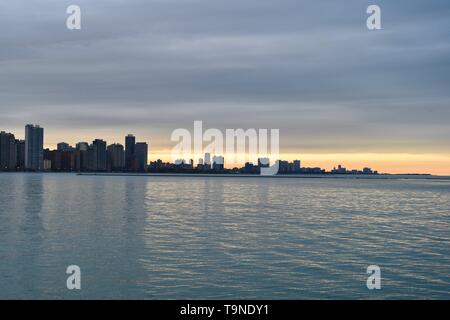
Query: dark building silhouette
(141,157)
(339,170)
(81,155)
(62,159)
(283,167)
(34,147)
(315,170)
(91,163)
(20,154)
(29,154)
(367,171)
(249,168)
(67,158)
(51,160)
(8,151)
(296,166)
(99,155)
(115,157)
(96,156)
(130,145)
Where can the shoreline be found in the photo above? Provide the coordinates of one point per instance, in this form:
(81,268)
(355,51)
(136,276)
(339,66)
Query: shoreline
(411,176)
(291,176)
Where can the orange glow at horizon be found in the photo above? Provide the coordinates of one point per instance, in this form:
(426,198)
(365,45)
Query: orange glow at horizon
(401,163)
(383,162)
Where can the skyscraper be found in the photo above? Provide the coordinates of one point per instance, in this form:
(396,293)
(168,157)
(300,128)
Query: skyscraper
(34,147)
(65,158)
(8,151)
(96,156)
(20,158)
(130,144)
(296,166)
(141,156)
(52,160)
(91,159)
(99,147)
(115,157)
(81,156)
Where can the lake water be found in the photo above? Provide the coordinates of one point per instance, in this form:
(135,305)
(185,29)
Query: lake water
(210,237)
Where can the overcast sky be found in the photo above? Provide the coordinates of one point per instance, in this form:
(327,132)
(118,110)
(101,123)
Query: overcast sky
(309,68)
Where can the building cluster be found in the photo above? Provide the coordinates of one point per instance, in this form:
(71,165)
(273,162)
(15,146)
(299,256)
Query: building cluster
(98,157)
(30,155)
(22,154)
(206,165)
(341,170)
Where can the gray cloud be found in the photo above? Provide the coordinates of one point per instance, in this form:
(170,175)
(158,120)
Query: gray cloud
(310,68)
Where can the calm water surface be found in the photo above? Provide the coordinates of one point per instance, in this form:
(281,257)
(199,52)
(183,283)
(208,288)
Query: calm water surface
(209,237)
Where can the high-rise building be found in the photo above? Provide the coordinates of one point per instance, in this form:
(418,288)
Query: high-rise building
(141,156)
(283,166)
(115,157)
(81,151)
(91,159)
(130,145)
(68,159)
(52,160)
(99,147)
(296,166)
(65,158)
(34,147)
(96,156)
(8,151)
(20,154)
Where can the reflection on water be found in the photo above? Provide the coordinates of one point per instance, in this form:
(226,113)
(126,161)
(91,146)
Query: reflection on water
(159,237)
(32,232)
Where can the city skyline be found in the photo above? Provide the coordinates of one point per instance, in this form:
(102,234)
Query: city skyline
(135,156)
(337,91)
(386,163)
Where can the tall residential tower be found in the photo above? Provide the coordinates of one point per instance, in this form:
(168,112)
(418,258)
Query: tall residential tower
(8,151)
(34,147)
(130,144)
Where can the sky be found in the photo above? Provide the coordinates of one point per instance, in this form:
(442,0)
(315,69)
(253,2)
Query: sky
(338,93)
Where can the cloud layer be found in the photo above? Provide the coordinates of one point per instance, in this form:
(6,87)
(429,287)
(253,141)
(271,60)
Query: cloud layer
(309,68)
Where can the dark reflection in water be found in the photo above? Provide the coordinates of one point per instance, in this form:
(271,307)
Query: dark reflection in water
(32,232)
(167,238)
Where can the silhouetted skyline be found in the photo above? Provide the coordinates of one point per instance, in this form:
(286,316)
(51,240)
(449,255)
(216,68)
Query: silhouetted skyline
(101,157)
